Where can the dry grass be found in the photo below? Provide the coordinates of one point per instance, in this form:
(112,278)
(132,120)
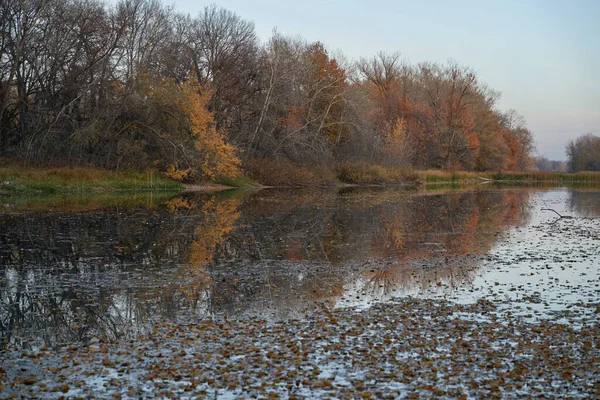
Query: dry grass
(438,176)
(364,173)
(285,174)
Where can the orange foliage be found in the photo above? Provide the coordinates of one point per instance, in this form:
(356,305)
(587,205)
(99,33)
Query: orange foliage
(293,119)
(177,174)
(221,216)
(178,114)
(219,157)
(329,82)
(513,145)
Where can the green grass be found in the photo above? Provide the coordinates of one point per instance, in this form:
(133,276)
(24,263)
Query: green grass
(46,181)
(579,177)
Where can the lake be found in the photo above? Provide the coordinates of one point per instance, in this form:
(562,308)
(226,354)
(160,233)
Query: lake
(71,271)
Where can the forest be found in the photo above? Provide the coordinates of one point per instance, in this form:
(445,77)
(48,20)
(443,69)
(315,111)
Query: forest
(140,85)
(583,153)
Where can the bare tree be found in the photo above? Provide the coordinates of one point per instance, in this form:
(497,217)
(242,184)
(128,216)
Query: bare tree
(583,153)
(223,49)
(147,28)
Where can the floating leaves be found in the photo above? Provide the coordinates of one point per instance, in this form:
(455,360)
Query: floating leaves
(411,348)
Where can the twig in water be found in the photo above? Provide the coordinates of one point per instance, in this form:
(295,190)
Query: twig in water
(554,211)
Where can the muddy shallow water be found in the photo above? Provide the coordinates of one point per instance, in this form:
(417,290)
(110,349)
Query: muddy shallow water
(471,293)
(70,276)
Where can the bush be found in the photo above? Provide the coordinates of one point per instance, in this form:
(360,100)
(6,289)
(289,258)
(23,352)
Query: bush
(284,173)
(364,173)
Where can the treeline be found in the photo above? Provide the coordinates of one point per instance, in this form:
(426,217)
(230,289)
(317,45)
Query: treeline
(141,85)
(583,153)
(543,164)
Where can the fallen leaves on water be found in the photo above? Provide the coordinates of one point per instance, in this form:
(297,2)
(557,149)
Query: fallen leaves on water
(411,348)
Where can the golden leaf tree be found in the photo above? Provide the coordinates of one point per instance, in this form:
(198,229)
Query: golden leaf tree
(217,157)
(180,131)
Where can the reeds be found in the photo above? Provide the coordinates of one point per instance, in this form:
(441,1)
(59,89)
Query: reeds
(365,174)
(285,174)
(437,176)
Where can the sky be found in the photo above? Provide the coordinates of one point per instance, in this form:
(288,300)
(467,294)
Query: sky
(542,55)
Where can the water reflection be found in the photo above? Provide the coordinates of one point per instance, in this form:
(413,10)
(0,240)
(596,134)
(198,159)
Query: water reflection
(585,202)
(68,276)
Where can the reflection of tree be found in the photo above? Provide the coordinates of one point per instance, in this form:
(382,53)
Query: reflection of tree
(585,203)
(75,275)
(356,227)
(443,237)
(67,276)
(218,217)
(408,241)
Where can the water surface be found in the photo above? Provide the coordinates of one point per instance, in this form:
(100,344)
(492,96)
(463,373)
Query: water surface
(70,273)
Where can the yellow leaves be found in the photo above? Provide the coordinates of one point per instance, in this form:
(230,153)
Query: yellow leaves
(62,388)
(324,383)
(194,105)
(219,157)
(28,381)
(176,203)
(396,132)
(566,375)
(395,140)
(107,363)
(179,116)
(176,174)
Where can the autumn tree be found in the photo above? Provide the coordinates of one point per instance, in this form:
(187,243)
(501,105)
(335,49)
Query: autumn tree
(396,117)
(449,92)
(583,153)
(138,84)
(302,101)
(174,130)
(519,140)
(222,48)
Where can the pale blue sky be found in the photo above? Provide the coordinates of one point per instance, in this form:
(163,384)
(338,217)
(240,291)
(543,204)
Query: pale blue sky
(542,55)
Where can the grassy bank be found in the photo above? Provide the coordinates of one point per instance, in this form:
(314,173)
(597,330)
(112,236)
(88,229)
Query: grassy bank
(42,181)
(79,180)
(362,174)
(286,174)
(436,176)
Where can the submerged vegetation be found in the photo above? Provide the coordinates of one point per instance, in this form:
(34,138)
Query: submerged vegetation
(338,353)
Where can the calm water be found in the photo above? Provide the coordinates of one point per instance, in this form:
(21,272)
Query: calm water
(88,269)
